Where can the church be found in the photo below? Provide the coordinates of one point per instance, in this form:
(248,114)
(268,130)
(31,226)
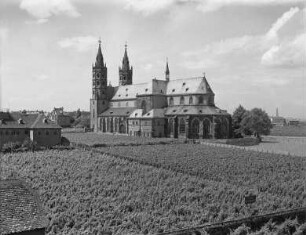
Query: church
(175,108)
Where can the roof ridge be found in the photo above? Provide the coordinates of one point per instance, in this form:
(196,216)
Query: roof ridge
(36,121)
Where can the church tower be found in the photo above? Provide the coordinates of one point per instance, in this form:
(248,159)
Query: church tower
(167,72)
(125,72)
(99,101)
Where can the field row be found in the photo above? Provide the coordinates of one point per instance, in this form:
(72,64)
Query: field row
(263,172)
(94,139)
(85,192)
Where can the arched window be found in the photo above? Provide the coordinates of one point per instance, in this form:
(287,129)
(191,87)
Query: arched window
(206,129)
(182,100)
(195,127)
(144,106)
(190,100)
(182,125)
(201,100)
(171,101)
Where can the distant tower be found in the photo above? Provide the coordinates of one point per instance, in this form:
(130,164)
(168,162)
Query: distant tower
(98,102)
(125,72)
(167,72)
(276,112)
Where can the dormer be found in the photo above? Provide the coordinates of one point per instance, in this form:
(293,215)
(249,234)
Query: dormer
(45,120)
(20,121)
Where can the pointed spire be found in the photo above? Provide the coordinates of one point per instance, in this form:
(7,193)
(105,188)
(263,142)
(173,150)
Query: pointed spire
(167,71)
(125,60)
(99,58)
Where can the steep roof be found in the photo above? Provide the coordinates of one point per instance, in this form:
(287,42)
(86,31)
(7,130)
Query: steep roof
(194,110)
(31,121)
(186,86)
(197,85)
(20,208)
(155,113)
(131,91)
(113,112)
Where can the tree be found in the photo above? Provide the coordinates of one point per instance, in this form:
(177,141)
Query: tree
(236,120)
(257,121)
(78,114)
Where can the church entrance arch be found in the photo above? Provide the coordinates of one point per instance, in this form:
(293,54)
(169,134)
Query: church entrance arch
(218,133)
(195,128)
(206,129)
(121,128)
(224,129)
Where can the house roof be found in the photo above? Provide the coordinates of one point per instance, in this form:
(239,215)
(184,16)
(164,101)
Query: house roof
(117,112)
(137,113)
(198,85)
(20,207)
(32,121)
(194,110)
(155,113)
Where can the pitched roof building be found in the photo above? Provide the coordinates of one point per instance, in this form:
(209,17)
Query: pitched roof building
(21,209)
(18,126)
(158,108)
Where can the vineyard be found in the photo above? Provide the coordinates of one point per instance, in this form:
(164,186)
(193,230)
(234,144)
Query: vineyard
(95,140)
(279,176)
(153,188)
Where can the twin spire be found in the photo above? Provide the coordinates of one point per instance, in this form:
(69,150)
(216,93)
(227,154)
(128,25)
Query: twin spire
(125,64)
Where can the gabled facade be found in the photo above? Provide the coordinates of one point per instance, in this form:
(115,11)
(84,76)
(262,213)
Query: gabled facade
(19,126)
(182,108)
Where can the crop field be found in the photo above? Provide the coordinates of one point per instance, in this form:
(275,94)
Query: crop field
(94,139)
(280,144)
(153,188)
(274,174)
(289,130)
(85,193)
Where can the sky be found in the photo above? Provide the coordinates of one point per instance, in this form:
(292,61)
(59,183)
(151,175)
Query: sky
(251,51)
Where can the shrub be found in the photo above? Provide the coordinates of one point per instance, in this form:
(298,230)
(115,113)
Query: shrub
(11,147)
(247,141)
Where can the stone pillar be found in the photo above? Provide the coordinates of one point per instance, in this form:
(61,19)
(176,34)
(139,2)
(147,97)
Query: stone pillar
(213,128)
(201,130)
(187,126)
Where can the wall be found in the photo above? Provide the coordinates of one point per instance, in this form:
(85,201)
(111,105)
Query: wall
(13,135)
(46,137)
(208,99)
(134,126)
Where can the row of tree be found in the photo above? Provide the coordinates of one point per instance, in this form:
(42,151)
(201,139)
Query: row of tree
(250,122)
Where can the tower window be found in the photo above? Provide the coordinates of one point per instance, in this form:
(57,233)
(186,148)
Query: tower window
(201,100)
(190,100)
(171,101)
(182,100)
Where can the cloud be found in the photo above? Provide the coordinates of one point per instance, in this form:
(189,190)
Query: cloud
(43,9)
(41,77)
(264,46)
(281,22)
(81,44)
(213,5)
(290,53)
(148,7)
(3,34)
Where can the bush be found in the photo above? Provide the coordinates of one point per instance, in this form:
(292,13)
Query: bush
(247,141)
(11,147)
(29,144)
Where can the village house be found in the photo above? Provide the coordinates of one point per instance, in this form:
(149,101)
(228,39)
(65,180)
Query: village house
(19,126)
(60,118)
(21,210)
(181,108)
